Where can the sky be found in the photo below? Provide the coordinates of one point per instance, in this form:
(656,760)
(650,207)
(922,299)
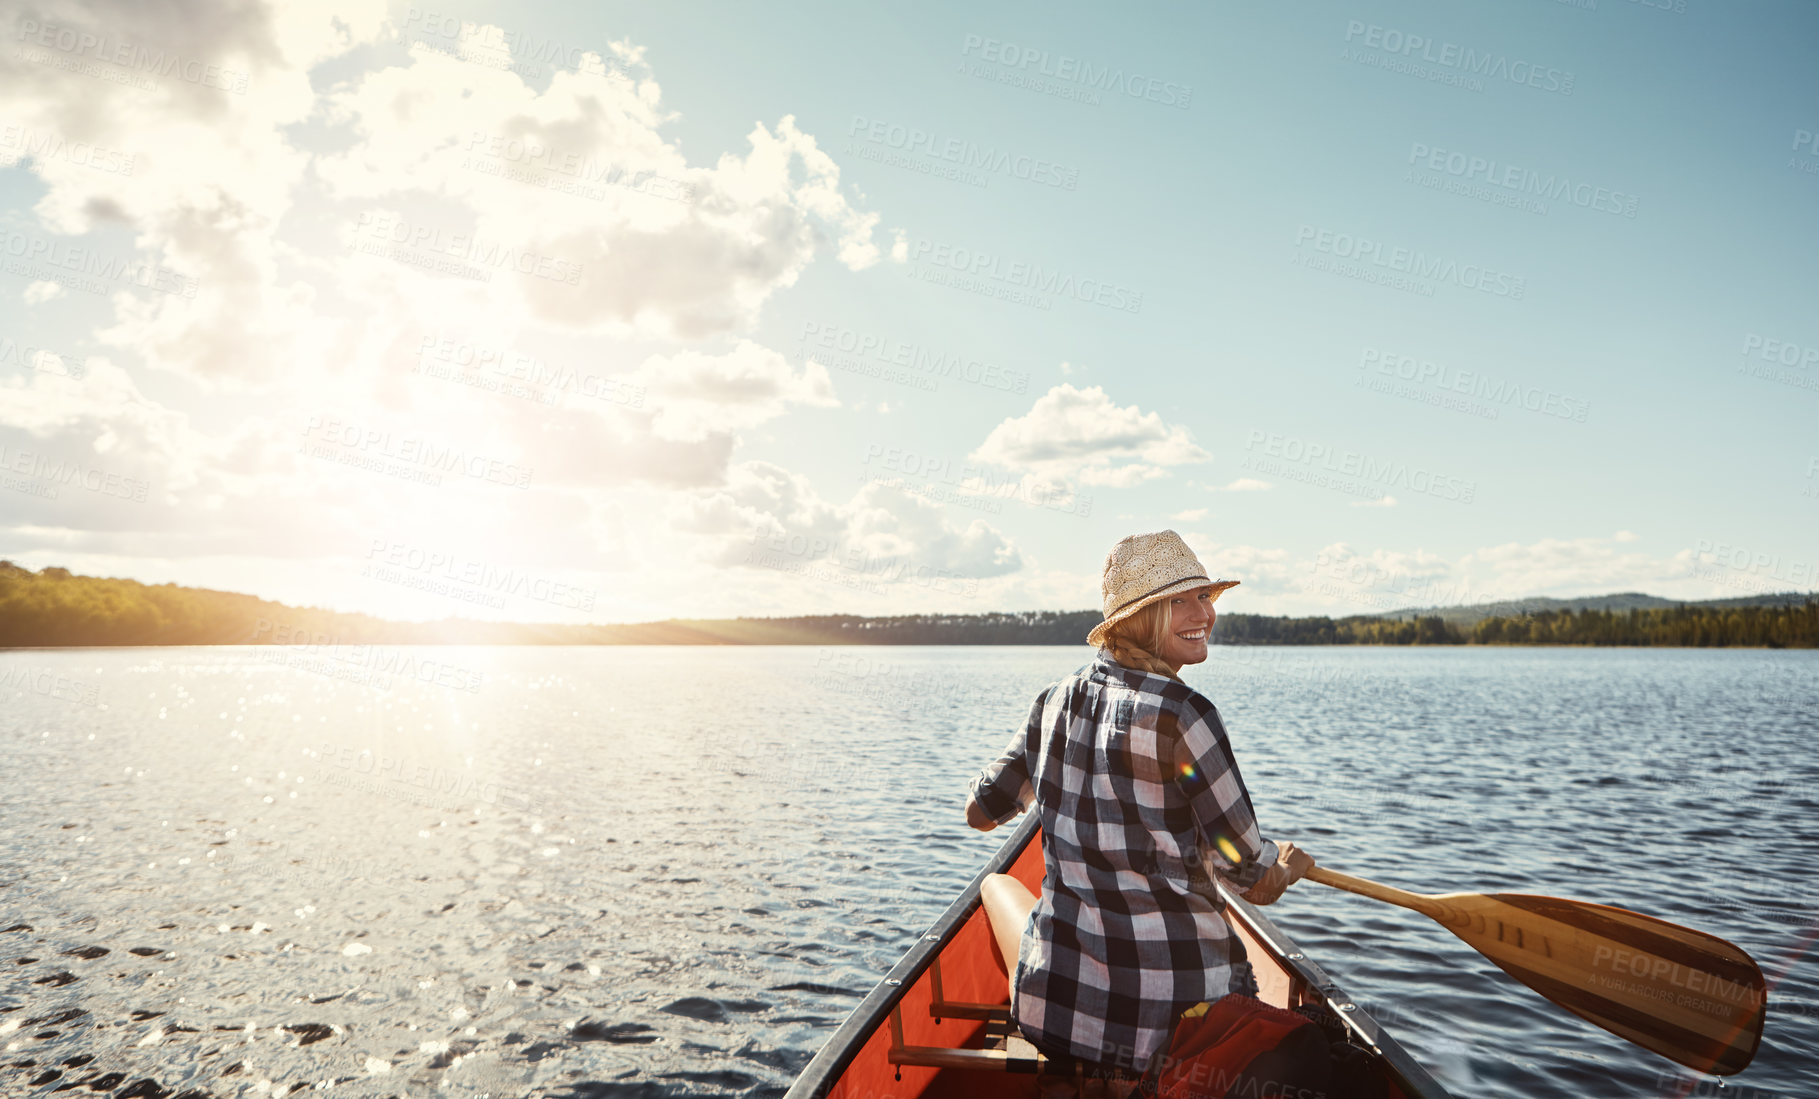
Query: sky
(614,312)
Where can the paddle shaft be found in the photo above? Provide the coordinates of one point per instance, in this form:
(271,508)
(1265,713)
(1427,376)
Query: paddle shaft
(1389,894)
(1370,888)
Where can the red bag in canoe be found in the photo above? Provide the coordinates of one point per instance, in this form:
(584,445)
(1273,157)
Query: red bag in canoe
(1243,1048)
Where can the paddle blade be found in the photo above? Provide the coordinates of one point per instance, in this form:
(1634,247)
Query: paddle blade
(1691,997)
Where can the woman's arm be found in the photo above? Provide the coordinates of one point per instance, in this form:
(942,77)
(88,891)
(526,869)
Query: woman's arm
(1207,773)
(1003,789)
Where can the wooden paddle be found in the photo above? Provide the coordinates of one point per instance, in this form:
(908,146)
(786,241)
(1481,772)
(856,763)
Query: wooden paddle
(1691,997)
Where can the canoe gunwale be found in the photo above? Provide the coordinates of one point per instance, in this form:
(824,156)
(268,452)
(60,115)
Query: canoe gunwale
(825,1069)
(831,1061)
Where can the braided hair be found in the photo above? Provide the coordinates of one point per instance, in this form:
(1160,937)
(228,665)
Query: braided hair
(1137,642)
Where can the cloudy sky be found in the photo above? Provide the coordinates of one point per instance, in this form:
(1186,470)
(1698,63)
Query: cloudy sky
(611,312)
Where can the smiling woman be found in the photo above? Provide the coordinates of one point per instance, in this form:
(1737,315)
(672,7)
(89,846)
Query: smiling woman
(1142,805)
(1166,634)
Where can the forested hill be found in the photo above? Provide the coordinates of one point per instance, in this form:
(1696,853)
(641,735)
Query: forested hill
(55,607)
(1470,613)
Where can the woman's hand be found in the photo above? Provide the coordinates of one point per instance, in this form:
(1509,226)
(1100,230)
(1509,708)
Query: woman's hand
(1299,861)
(976,817)
(1292,864)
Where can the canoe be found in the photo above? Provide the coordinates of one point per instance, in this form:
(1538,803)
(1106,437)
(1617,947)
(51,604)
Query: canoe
(938,1024)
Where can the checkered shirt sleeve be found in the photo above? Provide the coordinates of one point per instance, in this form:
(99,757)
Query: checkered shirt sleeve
(1003,789)
(1207,773)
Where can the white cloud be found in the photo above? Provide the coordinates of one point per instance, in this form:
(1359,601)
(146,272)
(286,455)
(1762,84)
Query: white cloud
(1260,571)
(1081,433)
(1379,502)
(770,519)
(233,190)
(1191,515)
(696,394)
(258,196)
(1563,566)
(213,170)
(1246,484)
(581,172)
(1341,579)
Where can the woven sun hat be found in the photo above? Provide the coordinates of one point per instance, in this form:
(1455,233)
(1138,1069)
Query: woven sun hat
(1144,568)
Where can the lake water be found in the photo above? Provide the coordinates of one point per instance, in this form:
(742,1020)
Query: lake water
(630,872)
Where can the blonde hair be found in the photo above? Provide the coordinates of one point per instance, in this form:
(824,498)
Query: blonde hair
(1137,641)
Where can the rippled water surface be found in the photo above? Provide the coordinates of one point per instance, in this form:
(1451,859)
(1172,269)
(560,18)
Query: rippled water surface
(629,872)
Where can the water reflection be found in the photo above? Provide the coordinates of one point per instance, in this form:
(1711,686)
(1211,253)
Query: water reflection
(672,871)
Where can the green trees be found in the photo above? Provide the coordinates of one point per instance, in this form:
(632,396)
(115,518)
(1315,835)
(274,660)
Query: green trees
(55,607)
(1256,629)
(1789,627)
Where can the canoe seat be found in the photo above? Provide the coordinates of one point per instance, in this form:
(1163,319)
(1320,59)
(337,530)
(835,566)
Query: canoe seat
(1012,1052)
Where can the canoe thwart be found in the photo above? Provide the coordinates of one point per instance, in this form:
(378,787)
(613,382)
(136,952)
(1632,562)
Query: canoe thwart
(940,1007)
(1017,1056)
(985,1012)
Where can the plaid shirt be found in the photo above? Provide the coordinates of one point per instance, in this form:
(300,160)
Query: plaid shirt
(1138,795)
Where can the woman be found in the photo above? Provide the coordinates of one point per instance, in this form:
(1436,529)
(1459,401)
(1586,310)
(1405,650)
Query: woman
(1140,802)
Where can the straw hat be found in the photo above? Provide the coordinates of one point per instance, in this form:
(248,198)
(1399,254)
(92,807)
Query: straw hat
(1144,568)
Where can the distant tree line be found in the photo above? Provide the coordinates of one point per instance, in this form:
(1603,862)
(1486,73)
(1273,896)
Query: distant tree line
(54,607)
(1779,627)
